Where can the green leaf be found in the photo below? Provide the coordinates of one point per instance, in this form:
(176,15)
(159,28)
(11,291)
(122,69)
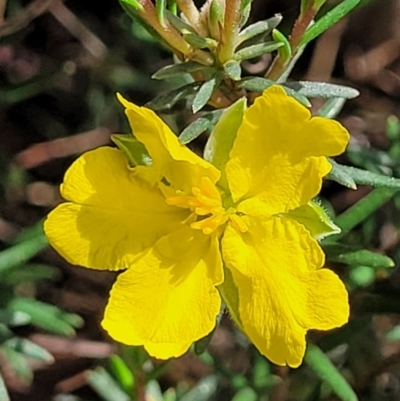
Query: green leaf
(122,373)
(199,42)
(340,175)
(18,364)
(332,107)
(328,373)
(260,27)
(153,391)
(322,89)
(393,334)
(20,253)
(179,24)
(393,128)
(298,96)
(284,52)
(329,19)
(174,70)
(204,94)
(203,390)
(29,273)
(362,276)
(161,8)
(166,101)
(29,349)
(197,127)
(133,3)
(362,177)
(348,255)
(14,319)
(223,135)
(256,84)
(105,386)
(315,219)
(256,50)
(233,69)
(135,151)
(3,390)
(363,209)
(45,316)
(245,394)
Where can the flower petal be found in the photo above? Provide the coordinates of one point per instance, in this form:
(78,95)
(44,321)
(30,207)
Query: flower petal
(167,299)
(282,290)
(177,163)
(278,140)
(112,215)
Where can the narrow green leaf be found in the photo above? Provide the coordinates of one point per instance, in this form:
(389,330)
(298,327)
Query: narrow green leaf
(233,69)
(200,42)
(160,8)
(105,386)
(135,151)
(285,51)
(361,276)
(245,394)
(340,175)
(393,334)
(328,373)
(18,363)
(329,19)
(256,50)
(20,253)
(166,101)
(178,23)
(204,94)
(29,349)
(153,391)
(322,89)
(363,209)
(260,27)
(46,316)
(29,273)
(194,130)
(133,3)
(298,96)
(364,177)
(332,107)
(173,7)
(122,373)
(201,345)
(256,84)
(197,127)
(345,254)
(4,396)
(14,319)
(174,70)
(393,128)
(203,390)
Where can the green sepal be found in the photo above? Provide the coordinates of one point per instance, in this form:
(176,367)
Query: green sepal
(222,137)
(315,219)
(135,151)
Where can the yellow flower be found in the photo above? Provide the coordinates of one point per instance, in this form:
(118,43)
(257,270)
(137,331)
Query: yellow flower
(185,243)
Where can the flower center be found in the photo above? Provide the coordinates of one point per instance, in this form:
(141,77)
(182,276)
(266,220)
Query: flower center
(206,203)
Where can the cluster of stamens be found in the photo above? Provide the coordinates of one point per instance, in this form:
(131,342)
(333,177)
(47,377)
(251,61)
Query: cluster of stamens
(206,203)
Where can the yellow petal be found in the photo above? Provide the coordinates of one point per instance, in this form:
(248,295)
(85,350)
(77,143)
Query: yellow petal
(111,216)
(281,289)
(167,299)
(278,140)
(177,163)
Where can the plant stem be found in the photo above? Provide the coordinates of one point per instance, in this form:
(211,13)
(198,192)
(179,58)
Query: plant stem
(279,65)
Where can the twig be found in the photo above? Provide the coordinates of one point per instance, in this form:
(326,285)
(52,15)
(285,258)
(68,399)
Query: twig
(21,20)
